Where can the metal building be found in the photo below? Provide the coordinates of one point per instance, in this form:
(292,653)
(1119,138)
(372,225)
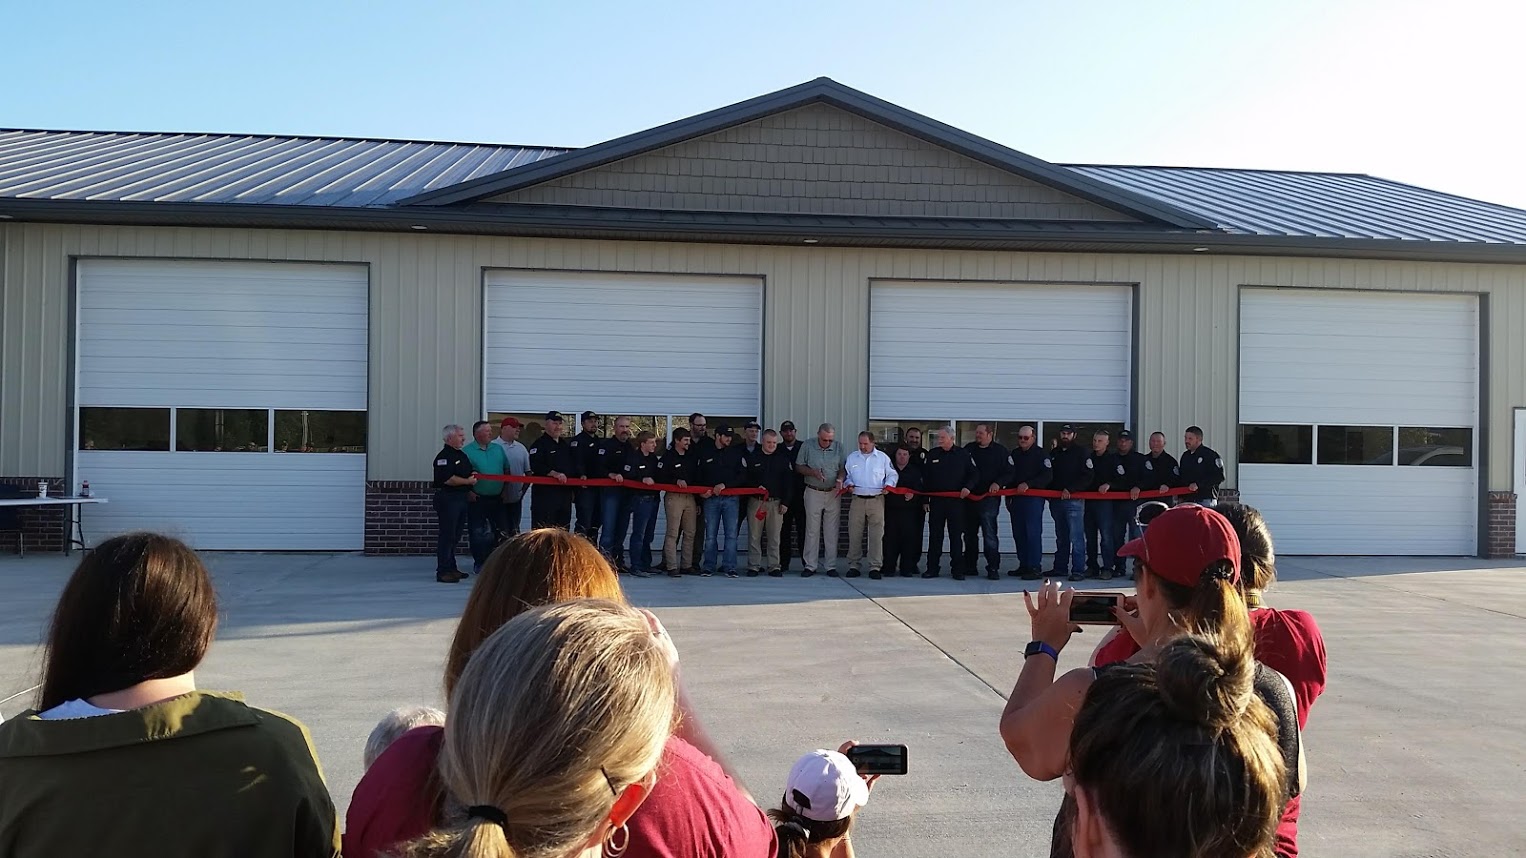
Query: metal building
(253,341)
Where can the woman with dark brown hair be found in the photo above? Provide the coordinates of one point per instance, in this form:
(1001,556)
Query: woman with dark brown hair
(695,810)
(124,756)
(1177,757)
(1188,578)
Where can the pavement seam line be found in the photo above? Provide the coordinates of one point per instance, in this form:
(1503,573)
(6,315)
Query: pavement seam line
(930,642)
(1368,580)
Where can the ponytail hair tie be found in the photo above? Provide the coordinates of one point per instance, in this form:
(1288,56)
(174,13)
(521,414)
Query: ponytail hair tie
(1221,572)
(796,826)
(489,813)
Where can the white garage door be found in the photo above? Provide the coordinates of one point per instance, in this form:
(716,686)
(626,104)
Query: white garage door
(654,347)
(1359,415)
(1006,353)
(223,402)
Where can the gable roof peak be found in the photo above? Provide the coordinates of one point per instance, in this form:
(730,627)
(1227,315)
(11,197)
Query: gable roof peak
(821,90)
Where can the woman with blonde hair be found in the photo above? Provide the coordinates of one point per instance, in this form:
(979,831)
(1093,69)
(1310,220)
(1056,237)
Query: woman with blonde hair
(556,728)
(696,810)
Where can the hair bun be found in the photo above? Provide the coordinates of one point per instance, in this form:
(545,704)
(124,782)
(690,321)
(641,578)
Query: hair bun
(1201,682)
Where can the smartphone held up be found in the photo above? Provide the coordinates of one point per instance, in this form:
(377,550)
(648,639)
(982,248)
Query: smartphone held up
(878,759)
(1088,607)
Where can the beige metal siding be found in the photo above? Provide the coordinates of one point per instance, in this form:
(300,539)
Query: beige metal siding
(819,160)
(426,292)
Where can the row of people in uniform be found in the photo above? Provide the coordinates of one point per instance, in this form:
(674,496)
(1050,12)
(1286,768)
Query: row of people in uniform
(802,507)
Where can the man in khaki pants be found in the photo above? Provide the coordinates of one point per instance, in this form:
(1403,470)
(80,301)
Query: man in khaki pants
(868,473)
(771,470)
(676,467)
(820,462)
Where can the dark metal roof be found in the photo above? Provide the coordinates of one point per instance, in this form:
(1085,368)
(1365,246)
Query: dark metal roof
(822,90)
(225,168)
(321,182)
(1321,205)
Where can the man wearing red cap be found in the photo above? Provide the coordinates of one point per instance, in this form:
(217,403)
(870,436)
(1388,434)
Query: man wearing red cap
(519,466)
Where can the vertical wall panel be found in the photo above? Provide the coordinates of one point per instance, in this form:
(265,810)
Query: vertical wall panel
(426,343)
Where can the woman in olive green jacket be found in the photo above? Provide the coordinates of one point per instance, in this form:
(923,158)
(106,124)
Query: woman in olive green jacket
(124,757)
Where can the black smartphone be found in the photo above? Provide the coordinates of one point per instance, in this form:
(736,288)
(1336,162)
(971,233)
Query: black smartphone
(1093,608)
(878,759)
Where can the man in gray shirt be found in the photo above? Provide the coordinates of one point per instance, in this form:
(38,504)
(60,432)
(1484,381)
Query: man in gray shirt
(820,462)
(519,465)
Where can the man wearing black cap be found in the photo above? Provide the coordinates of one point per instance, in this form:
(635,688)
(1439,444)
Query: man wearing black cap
(550,456)
(1136,480)
(794,520)
(1069,473)
(721,468)
(751,433)
(587,499)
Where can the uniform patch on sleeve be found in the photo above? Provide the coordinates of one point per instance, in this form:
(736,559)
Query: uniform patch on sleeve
(442,461)
(1219,462)
(532,451)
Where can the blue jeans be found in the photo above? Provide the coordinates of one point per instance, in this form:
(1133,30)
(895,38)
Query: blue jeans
(643,507)
(1027,530)
(720,524)
(613,522)
(980,523)
(450,507)
(482,520)
(1069,530)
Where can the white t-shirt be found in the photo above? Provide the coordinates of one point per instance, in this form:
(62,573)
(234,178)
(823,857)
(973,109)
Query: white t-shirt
(75,709)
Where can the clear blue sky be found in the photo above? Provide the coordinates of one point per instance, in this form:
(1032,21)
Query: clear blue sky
(1424,92)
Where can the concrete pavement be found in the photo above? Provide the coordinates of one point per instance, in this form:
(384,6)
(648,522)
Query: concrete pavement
(1417,748)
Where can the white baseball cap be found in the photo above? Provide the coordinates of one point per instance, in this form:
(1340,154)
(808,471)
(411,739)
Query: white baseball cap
(823,786)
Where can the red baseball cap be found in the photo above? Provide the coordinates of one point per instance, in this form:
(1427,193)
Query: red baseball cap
(513,421)
(1183,541)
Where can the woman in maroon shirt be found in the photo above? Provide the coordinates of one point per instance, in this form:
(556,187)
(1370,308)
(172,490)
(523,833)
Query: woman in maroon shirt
(1287,641)
(695,810)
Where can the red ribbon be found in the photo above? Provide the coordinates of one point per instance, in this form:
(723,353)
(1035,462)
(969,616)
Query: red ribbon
(605,482)
(1144,494)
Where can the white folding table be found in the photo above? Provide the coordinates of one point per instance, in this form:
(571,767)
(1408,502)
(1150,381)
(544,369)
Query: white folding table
(76,534)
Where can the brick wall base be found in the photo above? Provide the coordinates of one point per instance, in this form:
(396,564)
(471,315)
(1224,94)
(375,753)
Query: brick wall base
(400,517)
(1501,523)
(42,528)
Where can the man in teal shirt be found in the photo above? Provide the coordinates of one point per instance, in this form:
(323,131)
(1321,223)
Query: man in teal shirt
(485,501)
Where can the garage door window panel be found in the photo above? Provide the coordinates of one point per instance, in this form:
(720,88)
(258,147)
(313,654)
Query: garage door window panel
(1267,444)
(222,430)
(312,431)
(1356,445)
(1436,447)
(137,429)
